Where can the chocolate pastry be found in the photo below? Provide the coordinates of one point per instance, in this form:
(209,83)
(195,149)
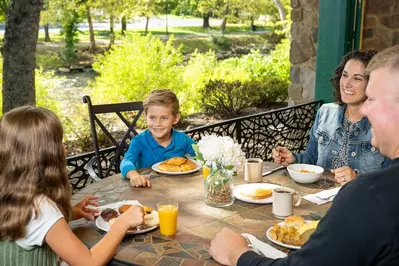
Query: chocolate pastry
(107,214)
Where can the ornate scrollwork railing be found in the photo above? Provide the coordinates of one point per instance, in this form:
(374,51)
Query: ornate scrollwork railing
(258,134)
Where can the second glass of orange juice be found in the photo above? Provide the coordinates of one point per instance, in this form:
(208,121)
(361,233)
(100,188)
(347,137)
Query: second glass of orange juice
(167,211)
(206,171)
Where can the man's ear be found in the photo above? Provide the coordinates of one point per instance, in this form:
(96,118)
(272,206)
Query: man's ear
(176,119)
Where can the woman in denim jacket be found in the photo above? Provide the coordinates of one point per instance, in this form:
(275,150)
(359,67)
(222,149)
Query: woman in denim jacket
(340,139)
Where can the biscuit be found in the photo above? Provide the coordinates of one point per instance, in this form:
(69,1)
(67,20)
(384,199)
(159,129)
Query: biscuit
(168,167)
(177,164)
(176,161)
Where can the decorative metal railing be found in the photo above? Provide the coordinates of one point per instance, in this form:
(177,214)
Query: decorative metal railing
(258,134)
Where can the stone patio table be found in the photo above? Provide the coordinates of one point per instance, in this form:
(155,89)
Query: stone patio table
(197,222)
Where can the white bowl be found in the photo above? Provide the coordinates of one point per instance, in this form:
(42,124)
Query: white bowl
(296,171)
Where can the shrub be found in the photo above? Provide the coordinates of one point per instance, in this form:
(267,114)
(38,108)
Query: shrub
(218,39)
(272,89)
(130,71)
(197,73)
(228,98)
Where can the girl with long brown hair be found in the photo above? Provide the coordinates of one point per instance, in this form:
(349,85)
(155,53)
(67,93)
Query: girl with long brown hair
(35,197)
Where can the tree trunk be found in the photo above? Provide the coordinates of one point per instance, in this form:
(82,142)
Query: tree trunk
(92,45)
(111,29)
(147,20)
(22,27)
(281,10)
(253,27)
(123,22)
(46,34)
(224,22)
(205,23)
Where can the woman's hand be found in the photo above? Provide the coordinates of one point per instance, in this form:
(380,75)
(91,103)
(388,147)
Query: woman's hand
(137,180)
(282,155)
(344,174)
(80,211)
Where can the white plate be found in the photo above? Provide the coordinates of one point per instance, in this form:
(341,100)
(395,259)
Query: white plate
(281,243)
(105,226)
(155,167)
(250,187)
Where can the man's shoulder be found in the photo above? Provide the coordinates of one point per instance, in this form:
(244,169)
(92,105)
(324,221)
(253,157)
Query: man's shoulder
(377,187)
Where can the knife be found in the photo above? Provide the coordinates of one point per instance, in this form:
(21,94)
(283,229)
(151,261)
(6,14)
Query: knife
(273,170)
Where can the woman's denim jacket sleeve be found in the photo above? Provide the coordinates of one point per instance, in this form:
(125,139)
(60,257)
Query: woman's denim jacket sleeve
(326,138)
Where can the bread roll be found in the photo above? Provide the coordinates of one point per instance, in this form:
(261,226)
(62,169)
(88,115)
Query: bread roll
(294,221)
(124,208)
(151,219)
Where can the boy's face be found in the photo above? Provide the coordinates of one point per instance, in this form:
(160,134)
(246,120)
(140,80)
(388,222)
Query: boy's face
(160,120)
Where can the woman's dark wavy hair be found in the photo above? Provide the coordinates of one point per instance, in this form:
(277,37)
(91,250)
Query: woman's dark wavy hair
(32,165)
(362,56)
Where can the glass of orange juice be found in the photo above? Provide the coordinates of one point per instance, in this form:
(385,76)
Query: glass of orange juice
(167,211)
(206,171)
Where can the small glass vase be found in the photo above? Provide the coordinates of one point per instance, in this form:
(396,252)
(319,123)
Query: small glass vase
(218,187)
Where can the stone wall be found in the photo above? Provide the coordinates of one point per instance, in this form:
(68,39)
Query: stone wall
(381,24)
(304,27)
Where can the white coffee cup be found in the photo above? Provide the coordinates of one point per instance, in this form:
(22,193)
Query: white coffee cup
(253,170)
(284,201)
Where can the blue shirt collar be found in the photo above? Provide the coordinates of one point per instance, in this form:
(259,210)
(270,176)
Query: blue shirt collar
(154,144)
(363,124)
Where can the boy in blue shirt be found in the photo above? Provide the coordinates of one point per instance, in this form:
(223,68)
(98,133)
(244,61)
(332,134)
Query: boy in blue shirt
(160,141)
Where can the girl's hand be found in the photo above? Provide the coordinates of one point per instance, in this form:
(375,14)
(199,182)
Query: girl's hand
(134,216)
(344,174)
(80,211)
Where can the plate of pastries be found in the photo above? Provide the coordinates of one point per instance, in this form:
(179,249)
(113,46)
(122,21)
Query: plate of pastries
(109,215)
(259,193)
(177,166)
(292,233)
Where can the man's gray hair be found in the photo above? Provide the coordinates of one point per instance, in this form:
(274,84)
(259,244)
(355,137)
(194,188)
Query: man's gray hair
(388,58)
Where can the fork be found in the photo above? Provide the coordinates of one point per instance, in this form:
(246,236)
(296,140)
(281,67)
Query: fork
(326,198)
(252,246)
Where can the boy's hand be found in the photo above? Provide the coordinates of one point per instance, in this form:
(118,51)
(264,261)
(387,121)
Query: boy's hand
(137,180)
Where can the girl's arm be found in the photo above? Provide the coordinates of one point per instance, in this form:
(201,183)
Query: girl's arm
(66,245)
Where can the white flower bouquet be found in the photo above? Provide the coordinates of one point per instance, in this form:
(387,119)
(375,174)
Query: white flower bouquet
(219,152)
(224,157)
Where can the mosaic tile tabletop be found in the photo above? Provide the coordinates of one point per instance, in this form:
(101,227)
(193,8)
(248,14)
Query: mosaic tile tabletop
(197,222)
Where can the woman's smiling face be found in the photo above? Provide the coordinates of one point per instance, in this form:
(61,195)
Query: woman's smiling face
(353,83)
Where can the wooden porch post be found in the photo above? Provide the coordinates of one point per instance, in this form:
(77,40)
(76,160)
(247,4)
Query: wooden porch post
(334,41)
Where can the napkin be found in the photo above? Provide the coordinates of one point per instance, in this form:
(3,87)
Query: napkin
(323,196)
(265,248)
(114,205)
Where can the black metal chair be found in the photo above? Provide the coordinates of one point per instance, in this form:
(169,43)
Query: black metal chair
(107,160)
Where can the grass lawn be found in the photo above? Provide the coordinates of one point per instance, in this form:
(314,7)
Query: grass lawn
(192,38)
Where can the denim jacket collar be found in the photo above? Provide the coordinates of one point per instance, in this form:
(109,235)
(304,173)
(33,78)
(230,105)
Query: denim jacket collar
(363,124)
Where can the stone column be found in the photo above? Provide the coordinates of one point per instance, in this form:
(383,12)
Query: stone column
(304,28)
